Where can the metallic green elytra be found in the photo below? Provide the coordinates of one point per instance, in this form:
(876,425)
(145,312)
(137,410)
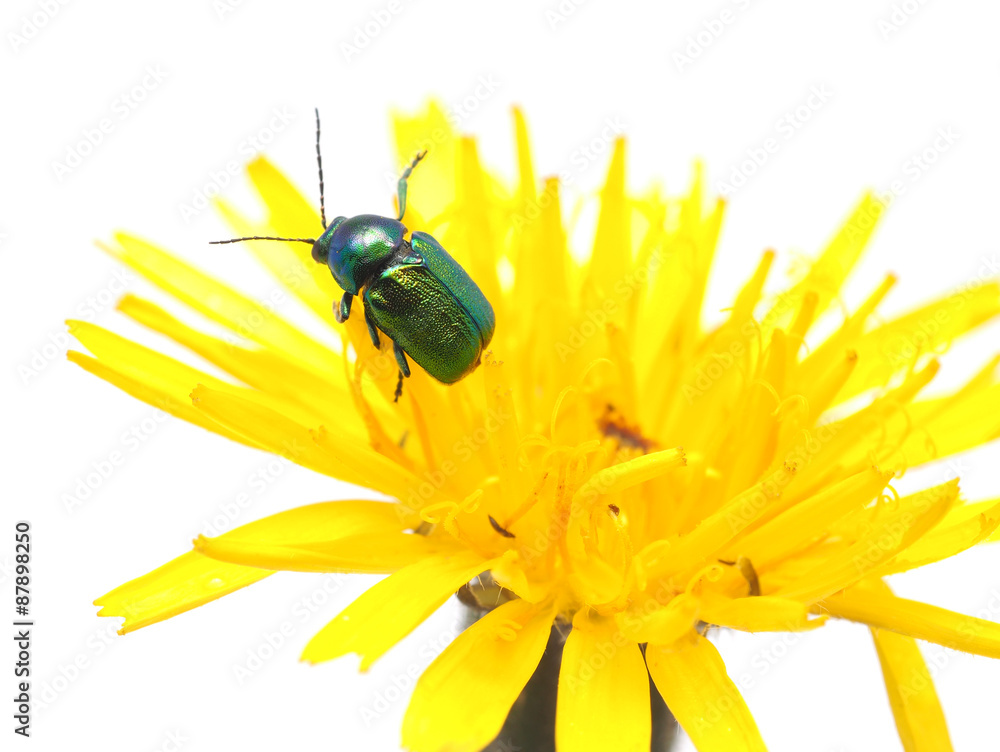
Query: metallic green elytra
(412,291)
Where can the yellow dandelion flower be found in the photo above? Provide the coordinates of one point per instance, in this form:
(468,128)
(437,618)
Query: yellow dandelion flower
(618,469)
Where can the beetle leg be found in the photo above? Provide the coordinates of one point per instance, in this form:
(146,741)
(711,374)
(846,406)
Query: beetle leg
(401,186)
(404,367)
(342,311)
(372,329)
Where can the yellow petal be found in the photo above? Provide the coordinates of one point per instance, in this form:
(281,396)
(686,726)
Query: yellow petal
(896,345)
(827,275)
(326,452)
(432,187)
(692,678)
(603,700)
(808,520)
(367,553)
(624,475)
(462,699)
(612,246)
(393,608)
(920,620)
(187,582)
(915,706)
(290,214)
(217,301)
(702,544)
(660,624)
(950,537)
(192,579)
(765,613)
(889,533)
(170,395)
(289,386)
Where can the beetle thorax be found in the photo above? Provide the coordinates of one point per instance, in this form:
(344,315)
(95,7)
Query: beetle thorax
(359,248)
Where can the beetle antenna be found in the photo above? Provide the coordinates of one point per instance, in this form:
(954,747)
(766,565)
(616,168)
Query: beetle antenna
(261,237)
(319,163)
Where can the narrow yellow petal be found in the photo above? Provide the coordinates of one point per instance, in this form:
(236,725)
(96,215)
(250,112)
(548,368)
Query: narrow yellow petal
(603,700)
(946,540)
(910,686)
(827,275)
(820,360)
(526,171)
(192,579)
(889,533)
(765,613)
(290,386)
(691,551)
(215,300)
(147,375)
(692,678)
(462,699)
(409,596)
(189,581)
(432,187)
(632,472)
(896,345)
(471,235)
(325,452)
(366,553)
(612,244)
(921,620)
(660,624)
(915,706)
(809,519)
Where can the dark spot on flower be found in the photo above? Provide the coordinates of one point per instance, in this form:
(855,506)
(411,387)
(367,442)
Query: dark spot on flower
(500,529)
(614,425)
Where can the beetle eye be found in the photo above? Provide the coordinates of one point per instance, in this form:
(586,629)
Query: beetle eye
(320,251)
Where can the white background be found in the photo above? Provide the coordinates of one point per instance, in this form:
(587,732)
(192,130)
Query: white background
(227,69)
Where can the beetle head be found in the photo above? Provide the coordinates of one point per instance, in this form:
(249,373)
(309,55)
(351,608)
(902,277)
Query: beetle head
(321,248)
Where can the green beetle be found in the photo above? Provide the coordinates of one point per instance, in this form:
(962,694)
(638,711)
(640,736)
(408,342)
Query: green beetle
(412,291)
